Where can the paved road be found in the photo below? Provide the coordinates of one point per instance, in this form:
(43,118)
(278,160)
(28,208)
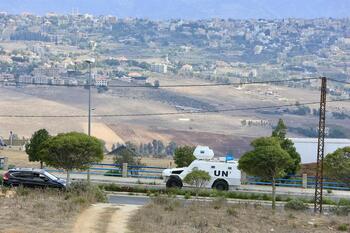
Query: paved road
(128,200)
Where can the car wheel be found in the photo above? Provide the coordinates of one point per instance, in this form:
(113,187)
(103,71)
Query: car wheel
(221,185)
(174,182)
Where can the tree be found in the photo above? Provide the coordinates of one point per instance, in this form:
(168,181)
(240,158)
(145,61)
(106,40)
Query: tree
(155,146)
(160,147)
(141,149)
(170,149)
(35,146)
(280,133)
(197,178)
(150,148)
(268,161)
(131,146)
(184,156)
(126,156)
(73,150)
(337,165)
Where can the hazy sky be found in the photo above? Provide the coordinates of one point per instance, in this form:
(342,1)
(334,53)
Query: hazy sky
(189,9)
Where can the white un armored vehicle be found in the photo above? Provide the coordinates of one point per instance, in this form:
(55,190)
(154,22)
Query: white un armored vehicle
(223,172)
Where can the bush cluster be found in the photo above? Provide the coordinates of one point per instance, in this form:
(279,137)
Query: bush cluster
(296,204)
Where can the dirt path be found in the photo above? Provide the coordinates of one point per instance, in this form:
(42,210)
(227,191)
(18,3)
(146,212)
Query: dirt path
(104,218)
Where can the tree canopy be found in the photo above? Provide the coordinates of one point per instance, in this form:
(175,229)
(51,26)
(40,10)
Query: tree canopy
(184,156)
(280,133)
(337,165)
(267,160)
(72,151)
(35,146)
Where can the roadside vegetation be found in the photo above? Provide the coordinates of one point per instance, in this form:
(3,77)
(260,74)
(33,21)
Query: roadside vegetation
(190,193)
(45,210)
(170,216)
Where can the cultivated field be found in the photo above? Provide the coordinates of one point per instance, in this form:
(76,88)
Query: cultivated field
(222,131)
(171,216)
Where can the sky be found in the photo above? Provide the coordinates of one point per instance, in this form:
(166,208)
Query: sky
(186,9)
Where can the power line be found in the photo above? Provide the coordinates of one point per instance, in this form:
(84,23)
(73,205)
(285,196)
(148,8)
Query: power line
(168,86)
(338,81)
(170,113)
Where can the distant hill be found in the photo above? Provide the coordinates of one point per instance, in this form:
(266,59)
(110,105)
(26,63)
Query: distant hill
(187,9)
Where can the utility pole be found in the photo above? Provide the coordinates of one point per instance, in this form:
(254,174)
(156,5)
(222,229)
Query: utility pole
(89,62)
(320,149)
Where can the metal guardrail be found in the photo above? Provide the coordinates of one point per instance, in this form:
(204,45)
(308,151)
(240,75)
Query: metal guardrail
(105,169)
(297,181)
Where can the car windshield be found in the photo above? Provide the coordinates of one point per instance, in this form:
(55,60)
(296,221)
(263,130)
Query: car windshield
(52,177)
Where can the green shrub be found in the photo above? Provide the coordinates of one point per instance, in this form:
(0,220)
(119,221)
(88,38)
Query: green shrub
(296,204)
(0,180)
(278,198)
(343,227)
(11,166)
(187,195)
(344,202)
(328,201)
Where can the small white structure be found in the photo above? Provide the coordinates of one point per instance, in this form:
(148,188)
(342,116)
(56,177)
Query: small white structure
(101,82)
(307,147)
(223,173)
(159,68)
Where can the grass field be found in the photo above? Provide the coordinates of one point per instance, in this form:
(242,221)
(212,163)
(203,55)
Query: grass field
(171,216)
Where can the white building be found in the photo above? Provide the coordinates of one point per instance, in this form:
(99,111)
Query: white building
(307,147)
(101,82)
(159,68)
(25,79)
(41,80)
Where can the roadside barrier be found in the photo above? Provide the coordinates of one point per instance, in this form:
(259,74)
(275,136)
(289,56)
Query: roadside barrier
(300,182)
(120,170)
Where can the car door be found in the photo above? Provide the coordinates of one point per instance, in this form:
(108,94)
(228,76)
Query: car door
(40,180)
(24,178)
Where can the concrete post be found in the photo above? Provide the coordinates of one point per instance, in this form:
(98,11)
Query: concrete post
(6,163)
(304,180)
(125,170)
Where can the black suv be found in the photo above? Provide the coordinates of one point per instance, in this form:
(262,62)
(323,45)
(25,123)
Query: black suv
(29,177)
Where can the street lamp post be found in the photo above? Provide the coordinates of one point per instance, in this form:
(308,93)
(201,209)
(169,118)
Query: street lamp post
(89,62)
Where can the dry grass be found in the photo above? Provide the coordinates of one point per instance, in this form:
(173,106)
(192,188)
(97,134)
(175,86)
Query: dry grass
(171,216)
(18,158)
(37,210)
